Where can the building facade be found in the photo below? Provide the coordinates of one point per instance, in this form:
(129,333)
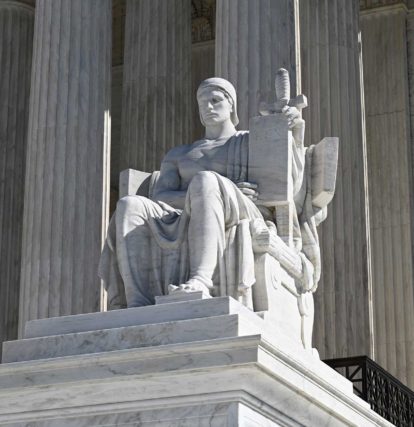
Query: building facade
(92,87)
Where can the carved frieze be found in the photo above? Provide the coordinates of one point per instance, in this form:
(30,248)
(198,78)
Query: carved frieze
(372,4)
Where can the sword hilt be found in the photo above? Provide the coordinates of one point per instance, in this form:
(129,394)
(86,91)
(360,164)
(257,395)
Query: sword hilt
(282,88)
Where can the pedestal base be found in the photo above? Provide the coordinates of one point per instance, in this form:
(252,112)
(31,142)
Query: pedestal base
(208,362)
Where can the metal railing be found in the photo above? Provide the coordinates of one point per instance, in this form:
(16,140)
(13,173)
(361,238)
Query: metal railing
(387,396)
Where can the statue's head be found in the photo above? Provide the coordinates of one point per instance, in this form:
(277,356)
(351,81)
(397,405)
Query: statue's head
(219,95)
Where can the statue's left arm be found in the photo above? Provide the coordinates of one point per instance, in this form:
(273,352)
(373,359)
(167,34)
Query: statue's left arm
(168,187)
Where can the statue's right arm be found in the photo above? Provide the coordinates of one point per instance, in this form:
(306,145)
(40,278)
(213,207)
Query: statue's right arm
(168,186)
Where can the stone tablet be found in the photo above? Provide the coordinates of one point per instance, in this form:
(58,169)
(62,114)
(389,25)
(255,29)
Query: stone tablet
(324,165)
(270,159)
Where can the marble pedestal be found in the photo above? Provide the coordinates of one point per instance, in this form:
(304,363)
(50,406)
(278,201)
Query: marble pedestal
(206,362)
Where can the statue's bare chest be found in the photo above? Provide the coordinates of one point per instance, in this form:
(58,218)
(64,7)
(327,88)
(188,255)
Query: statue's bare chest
(203,157)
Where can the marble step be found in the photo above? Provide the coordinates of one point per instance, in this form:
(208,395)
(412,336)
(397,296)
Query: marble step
(244,323)
(134,316)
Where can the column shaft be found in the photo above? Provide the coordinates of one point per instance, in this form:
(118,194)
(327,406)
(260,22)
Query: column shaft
(156,103)
(331,80)
(254,38)
(66,172)
(384,48)
(202,68)
(16,48)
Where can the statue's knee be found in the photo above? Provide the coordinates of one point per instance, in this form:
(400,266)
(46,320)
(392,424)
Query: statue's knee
(204,180)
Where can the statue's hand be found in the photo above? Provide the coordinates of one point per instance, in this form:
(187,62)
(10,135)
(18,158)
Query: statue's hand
(293,116)
(248,189)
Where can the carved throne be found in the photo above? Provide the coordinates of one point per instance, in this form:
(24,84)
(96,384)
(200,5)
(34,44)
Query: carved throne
(277,295)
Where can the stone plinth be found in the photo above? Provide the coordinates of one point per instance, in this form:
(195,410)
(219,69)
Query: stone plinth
(208,362)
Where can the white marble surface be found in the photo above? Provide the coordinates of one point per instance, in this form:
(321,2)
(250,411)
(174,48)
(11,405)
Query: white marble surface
(181,296)
(131,182)
(131,317)
(80,334)
(229,414)
(252,378)
(150,334)
(272,173)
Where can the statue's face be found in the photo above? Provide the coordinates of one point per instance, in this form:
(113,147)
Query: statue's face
(214,106)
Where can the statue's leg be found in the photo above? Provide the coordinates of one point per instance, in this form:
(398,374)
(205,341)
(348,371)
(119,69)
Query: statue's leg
(133,247)
(206,230)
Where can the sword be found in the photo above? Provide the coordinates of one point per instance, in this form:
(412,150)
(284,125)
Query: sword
(282,88)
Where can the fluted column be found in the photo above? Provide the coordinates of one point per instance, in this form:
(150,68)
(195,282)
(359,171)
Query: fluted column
(254,38)
(66,172)
(16,48)
(202,68)
(331,80)
(389,149)
(156,102)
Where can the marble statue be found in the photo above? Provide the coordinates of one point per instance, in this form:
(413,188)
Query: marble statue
(206,221)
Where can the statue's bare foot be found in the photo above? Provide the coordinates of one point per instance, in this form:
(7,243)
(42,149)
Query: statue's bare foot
(192,285)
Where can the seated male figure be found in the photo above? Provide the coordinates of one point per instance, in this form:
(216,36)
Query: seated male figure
(194,235)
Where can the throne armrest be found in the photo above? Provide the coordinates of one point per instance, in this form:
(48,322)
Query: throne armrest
(267,241)
(324,166)
(134,182)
